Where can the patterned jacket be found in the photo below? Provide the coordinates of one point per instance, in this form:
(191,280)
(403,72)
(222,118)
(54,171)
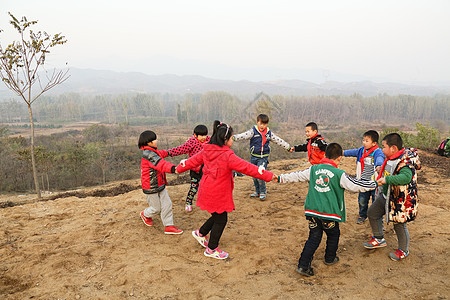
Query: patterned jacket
(257,146)
(191,147)
(403,200)
(154,169)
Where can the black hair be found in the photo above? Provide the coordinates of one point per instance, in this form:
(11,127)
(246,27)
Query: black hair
(221,133)
(263,118)
(313,126)
(145,138)
(333,151)
(373,135)
(201,130)
(394,139)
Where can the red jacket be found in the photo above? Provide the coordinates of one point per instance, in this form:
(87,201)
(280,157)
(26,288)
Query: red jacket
(315,147)
(154,169)
(192,146)
(216,187)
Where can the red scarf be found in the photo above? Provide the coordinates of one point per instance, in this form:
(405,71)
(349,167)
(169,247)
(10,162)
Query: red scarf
(328,162)
(263,134)
(365,154)
(396,155)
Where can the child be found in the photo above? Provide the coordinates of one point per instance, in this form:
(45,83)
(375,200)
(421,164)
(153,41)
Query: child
(153,180)
(215,194)
(324,204)
(369,159)
(398,198)
(260,136)
(315,144)
(193,146)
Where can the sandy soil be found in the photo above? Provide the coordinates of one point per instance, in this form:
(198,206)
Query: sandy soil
(96,247)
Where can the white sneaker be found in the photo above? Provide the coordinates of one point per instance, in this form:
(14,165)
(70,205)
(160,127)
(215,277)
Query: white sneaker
(188,208)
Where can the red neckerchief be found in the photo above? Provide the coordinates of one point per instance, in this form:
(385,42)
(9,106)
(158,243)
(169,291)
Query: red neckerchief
(263,134)
(365,154)
(328,162)
(396,155)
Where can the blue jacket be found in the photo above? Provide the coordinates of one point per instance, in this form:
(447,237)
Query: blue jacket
(376,159)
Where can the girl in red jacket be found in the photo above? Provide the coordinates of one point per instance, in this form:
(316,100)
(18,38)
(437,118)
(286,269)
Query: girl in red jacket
(153,180)
(215,194)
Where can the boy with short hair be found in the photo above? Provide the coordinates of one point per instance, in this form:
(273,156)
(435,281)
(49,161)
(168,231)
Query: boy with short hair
(315,144)
(324,204)
(260,136)
(398,199)
(369,159)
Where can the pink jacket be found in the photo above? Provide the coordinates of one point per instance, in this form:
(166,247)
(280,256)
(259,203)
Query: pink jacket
(192,146)
(216,186)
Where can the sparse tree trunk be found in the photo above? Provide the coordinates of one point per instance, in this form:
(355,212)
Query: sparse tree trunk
(33,161)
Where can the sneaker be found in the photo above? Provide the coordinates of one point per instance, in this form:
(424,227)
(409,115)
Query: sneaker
(203,240)
(262,197)
(188,207)
(172,230)
(335,260)
(398,255)
(360,220)
(147,221)
(375,243)
(216,253)
(306,272)
(254,195)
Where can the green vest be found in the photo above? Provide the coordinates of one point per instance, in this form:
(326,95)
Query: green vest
(325,197)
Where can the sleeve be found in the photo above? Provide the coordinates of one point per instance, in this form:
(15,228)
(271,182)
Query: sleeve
(356,185)
(192,162)
(163,166)
(182,149)
(296,176)
(402,178)
(242,166)
(244,136)
(351,153)
(280,142)
(163,153)
(322,144)
(379,158)
(301,148)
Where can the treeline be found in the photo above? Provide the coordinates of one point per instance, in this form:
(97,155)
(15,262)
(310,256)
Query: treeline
(143,109)
(101,154)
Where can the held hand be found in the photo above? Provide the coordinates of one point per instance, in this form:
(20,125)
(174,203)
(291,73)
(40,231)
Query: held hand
(275,178)
(176,172)
(291,149)
(381,181)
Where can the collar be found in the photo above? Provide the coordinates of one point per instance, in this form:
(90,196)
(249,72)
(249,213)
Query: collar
(328,161)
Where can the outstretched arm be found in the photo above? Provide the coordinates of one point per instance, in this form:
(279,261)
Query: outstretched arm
(295,176)
(190,163)
(280,142)
(357,185)
(242,166)
(244,136)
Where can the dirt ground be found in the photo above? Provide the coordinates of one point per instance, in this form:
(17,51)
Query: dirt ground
(93,245)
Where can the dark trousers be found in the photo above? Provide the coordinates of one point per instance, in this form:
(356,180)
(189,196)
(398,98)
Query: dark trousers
(215,224)
(316,228)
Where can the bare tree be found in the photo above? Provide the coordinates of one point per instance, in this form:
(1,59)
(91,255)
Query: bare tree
(20,62)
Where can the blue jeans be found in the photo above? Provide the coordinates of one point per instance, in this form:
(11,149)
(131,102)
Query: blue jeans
(260,185)
(316,228)
(363,201)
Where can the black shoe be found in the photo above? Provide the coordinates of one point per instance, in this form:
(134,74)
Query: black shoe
(306,272)
(335,260)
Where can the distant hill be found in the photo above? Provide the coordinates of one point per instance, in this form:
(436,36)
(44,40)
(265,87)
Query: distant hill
(87,81)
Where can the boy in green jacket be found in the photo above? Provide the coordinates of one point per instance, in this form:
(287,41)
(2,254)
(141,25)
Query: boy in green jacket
(324,204)
(398,198)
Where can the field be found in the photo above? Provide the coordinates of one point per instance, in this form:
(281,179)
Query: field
(91,244)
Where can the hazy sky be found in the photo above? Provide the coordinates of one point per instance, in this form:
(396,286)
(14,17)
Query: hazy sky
(393,39)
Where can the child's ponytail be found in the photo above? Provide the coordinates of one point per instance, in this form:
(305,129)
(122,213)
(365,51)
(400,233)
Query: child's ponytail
(221,133)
